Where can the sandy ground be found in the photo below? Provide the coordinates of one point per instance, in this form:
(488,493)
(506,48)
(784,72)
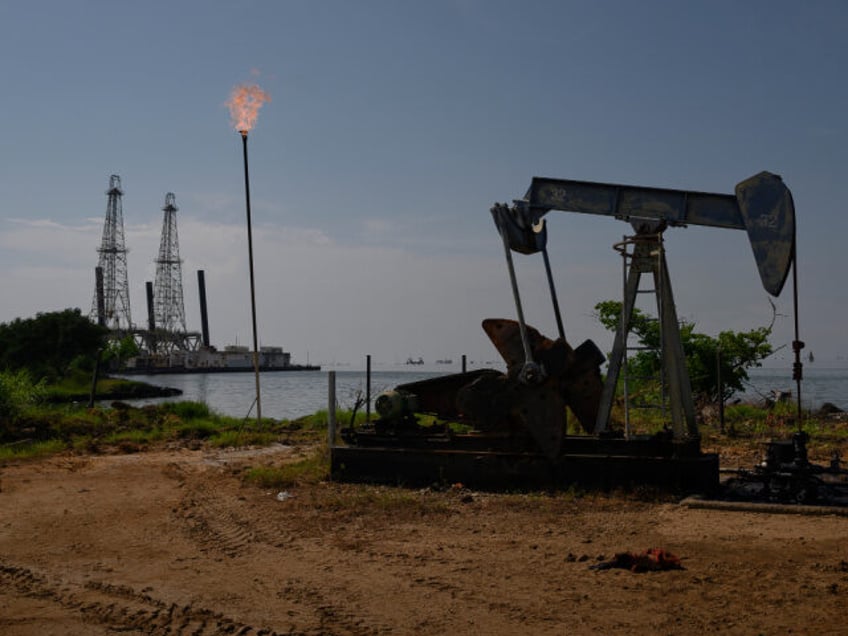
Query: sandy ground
(174,542)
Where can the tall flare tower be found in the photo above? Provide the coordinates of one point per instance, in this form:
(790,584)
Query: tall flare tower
(168,306)
(113,264)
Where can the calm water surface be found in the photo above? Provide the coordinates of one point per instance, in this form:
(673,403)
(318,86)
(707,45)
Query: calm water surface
(818,386)
(285,394)
(290,394)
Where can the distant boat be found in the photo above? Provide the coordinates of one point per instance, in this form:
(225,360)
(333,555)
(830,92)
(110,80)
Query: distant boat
(411,361)
(811,358)
(444,361)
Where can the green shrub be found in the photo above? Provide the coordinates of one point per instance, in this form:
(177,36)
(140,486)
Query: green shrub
(732,353)
(17,391)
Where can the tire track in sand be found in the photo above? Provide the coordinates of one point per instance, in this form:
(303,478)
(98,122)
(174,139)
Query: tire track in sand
(122,608)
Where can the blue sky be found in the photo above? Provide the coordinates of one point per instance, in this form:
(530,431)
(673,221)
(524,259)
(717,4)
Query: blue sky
(393,127)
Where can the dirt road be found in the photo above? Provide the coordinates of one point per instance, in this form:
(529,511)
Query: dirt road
(174,542)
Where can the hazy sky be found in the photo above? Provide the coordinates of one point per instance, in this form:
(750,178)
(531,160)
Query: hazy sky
(394,127)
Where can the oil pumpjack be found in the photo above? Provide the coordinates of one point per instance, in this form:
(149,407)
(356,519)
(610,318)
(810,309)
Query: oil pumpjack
(518,419)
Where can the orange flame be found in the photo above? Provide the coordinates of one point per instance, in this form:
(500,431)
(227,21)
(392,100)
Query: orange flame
(244,103)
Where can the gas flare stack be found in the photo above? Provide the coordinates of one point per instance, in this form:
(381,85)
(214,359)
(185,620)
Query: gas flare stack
(244,104)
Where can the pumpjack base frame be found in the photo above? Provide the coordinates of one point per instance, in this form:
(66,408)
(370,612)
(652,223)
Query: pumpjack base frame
(590,462)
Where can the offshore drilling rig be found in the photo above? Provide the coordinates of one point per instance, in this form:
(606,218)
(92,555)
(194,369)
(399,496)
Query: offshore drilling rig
(165,345)
(166,331)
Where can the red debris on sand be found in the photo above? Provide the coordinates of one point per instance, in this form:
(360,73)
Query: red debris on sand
(651,560)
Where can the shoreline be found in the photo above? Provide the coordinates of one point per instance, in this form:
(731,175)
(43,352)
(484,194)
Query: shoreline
(201,370)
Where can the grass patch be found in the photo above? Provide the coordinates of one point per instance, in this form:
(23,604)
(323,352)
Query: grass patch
(83,429)
(227,439)
(37,430)
(76,387)
(135,436)
(188,410)
(392,502)
(31,450)
(318,421)
(196,429)
(309,470)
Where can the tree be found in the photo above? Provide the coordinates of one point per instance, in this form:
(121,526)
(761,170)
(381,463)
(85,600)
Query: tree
(47,344)
(731,353)
(118,351)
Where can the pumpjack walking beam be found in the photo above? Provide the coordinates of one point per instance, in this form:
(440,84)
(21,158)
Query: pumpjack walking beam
(762,205)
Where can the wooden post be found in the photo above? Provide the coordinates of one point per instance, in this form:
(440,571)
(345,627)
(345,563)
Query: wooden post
(367,388)
(331,408)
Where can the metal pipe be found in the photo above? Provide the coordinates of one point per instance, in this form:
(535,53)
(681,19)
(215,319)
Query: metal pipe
(204,315)
(557,314)
(101,320)
(624,329)
(720,385)
(797,345)
(252,283)
(525,341)
(98,289)
(151,316)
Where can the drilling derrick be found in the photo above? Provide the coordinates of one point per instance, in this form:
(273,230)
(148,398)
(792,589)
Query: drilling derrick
(168,306)
(113,264)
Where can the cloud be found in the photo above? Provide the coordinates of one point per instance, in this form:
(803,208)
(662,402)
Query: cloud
(26,242)
(214,203)
(377,226)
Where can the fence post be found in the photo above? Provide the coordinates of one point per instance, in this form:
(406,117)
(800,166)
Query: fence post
(331,409)
(368,388)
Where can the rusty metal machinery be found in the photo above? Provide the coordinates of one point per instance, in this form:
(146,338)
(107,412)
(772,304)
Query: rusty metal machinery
(517,419)
(786,476)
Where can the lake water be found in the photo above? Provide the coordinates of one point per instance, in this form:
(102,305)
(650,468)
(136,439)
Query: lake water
(290,394)
(285,394)
(818,386)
